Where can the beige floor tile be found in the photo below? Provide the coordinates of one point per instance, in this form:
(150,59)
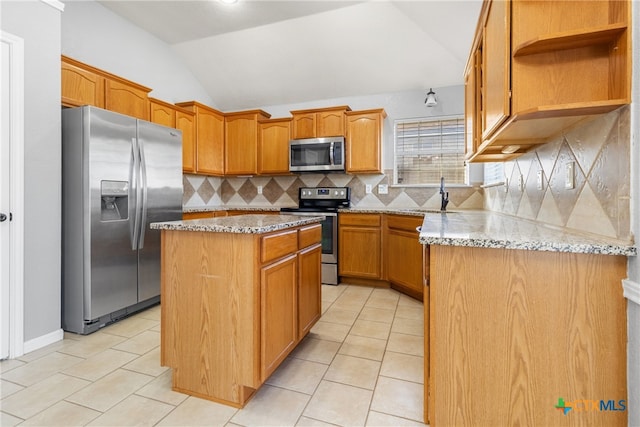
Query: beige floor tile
(141,343)
(272,406)
(7,420)
(407,301)
(362,292)
(8,388)
(310,422)
(338,315)
(134,411)
(99,365)
(199,412)
(353,371)
(110,389)
(377,419)
(9,364)
(37,354)
(148,364)
(41,368)
(152,313)
(130,327)
(400,398)
(160,389)
(383,298)
(368,328)
(90,345)
(408,326)
(403,367)
(339,404)
(408,344)
(63,414)
(31,400)
(376,314)
(410,312)
(298,375)
(331,293)
(316,350)
(325,306)
(347,303)
(365,347)
(329,331)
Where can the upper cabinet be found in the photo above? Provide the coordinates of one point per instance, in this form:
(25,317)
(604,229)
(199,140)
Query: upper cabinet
(241,142)
(538,67)
(83,84)
(273,146)
(209,138)
(319,122)
(172,116)
(364,141)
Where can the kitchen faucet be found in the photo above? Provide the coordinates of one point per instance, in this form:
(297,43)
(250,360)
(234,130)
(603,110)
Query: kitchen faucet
(444,195)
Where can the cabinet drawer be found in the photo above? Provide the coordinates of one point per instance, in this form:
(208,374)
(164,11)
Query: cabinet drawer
(371,220)
(197,215)
(277,245)
(406,223)
(310,235)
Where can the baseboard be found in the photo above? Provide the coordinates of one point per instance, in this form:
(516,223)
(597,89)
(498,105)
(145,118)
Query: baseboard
(43,341)
(631,290)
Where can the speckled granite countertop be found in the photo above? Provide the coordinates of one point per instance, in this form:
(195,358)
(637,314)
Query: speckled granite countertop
(485,229)
(231,208)
(247,224)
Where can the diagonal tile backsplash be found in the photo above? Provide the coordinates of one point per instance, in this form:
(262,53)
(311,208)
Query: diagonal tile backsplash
(600,199)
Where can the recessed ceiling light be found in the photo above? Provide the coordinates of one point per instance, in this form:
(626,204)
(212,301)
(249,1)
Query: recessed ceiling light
(228,1)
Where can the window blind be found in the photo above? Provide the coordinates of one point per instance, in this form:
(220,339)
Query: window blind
(493,173)
(428,149)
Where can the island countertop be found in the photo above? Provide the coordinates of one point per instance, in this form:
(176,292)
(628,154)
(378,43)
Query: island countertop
(486,229)
(246,224)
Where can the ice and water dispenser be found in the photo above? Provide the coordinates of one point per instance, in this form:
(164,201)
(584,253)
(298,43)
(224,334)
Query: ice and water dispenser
(114,197)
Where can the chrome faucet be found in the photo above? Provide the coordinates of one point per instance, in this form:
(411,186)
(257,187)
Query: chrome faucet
(444,195)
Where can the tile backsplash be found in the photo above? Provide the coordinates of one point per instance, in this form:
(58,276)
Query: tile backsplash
(282,191)
(598,203)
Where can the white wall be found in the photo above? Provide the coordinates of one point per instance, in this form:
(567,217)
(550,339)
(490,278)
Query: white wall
(39,25)
(93,34)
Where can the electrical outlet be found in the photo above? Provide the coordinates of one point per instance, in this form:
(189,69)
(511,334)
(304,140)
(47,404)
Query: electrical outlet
(540,180)
(569,175)
(383,189)
(259,189)
(367,189)
(520,182)
(506,185)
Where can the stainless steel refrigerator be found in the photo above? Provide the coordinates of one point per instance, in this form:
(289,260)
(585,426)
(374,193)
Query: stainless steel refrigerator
(119,175)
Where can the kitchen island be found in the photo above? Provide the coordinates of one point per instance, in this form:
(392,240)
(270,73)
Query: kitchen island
(525,324)
(238,294)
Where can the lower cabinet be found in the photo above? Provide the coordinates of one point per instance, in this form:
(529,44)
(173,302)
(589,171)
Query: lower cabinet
(234,305)
(359,245)
(403,254)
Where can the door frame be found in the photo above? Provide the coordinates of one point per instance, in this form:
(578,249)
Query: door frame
(16,193)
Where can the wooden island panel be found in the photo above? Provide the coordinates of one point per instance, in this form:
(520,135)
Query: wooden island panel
(512,331)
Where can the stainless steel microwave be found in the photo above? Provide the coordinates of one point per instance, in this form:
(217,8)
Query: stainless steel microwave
(316,154)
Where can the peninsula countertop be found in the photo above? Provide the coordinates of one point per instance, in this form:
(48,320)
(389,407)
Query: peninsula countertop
(486,229)
(246,224)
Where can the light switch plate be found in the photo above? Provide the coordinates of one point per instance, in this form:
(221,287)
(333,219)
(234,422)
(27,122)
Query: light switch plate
(259,189)
(383,189)
(540,180)
(367,188)
(569,175)
(520,182)
(506,185)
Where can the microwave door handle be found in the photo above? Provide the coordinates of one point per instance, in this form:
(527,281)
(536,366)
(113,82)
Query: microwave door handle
(331,154)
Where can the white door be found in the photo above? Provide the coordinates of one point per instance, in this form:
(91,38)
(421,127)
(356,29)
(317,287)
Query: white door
(5,208)
(11,196)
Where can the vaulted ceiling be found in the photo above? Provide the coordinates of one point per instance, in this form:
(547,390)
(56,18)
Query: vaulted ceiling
(260,53)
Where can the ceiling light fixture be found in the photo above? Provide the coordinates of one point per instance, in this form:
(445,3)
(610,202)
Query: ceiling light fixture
(431,100)
(228,1)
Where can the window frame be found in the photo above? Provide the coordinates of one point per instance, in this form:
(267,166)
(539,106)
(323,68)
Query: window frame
(428,119)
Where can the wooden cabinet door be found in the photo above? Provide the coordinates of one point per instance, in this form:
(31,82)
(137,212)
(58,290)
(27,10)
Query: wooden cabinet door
(309,288)
(209,142)
(162,114)
(304,125)
(185,121)
(273,146)
(364,141)
(81,86)
(470,109)
(241,144)
(126,99)
(496,67)
(359,252)
(330,123)
(278,307)
(404,260)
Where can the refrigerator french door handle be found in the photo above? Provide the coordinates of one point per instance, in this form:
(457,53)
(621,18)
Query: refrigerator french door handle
(143,193)
(135,189)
